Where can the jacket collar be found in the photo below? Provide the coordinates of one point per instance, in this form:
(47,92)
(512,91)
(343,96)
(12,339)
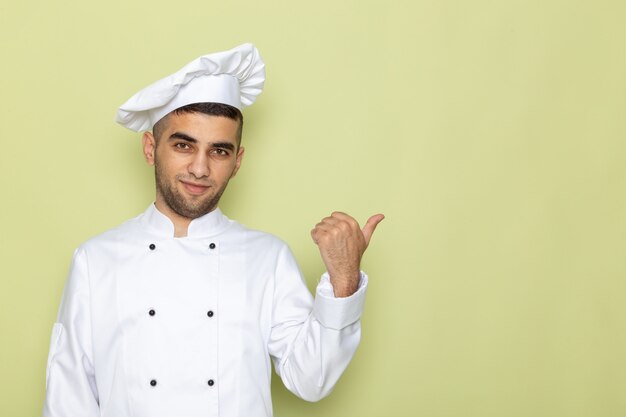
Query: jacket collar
(208,225)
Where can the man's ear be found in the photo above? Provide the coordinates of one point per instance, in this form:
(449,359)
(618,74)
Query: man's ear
(238,161)
(149,147)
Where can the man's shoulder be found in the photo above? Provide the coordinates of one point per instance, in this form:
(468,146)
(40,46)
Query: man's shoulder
(123,232)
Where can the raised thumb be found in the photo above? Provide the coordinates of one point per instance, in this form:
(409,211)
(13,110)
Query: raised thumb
(370,226)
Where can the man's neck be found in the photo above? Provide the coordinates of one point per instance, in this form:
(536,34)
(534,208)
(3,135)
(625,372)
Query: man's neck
(181,224)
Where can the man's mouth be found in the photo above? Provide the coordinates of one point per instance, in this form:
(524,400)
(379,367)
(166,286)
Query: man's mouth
(195,189)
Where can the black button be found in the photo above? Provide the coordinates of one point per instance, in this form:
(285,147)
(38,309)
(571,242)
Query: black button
(210,313)
(152,312)
(211,382)
(153,382)
(152,246)
(212,246)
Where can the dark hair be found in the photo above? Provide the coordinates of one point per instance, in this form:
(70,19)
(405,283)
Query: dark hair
(211,109)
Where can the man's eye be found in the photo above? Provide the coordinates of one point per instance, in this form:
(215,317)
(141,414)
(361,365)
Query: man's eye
(220,152)
(182,145)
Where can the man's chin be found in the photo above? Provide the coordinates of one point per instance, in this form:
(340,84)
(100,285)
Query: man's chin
(193,211)
(187,205)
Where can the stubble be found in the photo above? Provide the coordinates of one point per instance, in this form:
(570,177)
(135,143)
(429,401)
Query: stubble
(190,207)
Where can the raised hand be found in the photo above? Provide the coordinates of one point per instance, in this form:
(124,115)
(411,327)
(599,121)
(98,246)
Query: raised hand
(342,242)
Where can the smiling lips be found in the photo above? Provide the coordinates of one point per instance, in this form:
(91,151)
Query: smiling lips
(195,189)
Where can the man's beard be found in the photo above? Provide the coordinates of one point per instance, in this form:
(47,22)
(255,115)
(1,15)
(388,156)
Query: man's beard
(188,208)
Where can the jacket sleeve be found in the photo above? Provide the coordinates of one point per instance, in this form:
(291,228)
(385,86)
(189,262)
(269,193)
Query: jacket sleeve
(70,382)
(312,341)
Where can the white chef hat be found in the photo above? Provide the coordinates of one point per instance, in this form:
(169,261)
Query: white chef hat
(233,77)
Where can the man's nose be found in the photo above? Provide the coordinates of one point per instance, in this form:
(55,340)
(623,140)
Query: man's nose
(199,165)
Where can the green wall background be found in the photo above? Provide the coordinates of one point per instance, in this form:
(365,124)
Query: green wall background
(490,133)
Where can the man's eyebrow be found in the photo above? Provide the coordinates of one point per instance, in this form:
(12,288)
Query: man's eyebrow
(223,145)
(182,136)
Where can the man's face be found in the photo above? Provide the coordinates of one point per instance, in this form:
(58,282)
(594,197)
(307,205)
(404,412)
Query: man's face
(194,158)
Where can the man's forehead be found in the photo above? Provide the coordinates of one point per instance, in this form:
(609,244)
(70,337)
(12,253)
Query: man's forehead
(200,126)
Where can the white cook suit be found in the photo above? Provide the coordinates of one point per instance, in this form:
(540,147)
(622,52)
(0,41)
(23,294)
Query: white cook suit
(151,325)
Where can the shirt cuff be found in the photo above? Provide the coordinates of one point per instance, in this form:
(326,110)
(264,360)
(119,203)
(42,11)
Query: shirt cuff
(334,312)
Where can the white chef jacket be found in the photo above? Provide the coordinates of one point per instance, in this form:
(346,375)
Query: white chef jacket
(151,325)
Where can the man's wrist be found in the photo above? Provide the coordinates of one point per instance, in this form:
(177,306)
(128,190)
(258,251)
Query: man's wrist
(325,287)
(345,287)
